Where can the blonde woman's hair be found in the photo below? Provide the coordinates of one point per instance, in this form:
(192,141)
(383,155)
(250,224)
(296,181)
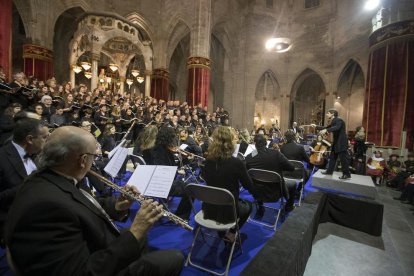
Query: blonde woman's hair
(147,137)
(222,146)
(245,136)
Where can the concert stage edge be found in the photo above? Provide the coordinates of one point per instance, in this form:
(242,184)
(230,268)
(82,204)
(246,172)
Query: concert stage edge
(288,251)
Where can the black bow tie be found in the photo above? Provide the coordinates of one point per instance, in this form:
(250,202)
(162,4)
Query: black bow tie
(31,156)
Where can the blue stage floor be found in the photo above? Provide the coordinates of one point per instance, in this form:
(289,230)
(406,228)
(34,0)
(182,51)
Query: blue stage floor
(165,235)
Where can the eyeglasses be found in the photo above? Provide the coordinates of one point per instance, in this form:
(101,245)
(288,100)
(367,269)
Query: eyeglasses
(95,155)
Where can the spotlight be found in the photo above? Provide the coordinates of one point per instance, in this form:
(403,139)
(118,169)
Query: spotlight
(371,4)
(278,45)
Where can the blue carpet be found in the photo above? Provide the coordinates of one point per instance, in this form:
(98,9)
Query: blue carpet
(213,253)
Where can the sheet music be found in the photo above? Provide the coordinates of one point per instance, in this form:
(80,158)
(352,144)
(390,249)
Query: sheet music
(115,164)
(236,150)
(112,152)
(154,181)
(183,146)
(249,150)
(161,181)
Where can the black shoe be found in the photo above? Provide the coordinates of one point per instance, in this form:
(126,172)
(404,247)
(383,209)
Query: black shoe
(326,173)
(345,176)
(398,198)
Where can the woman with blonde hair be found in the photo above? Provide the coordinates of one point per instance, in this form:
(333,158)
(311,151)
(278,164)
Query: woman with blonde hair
(222,170)
(145,142)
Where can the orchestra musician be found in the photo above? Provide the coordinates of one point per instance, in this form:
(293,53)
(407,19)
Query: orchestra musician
(78,236)
(223,170)
(319,149)
(187,138)
(163,154)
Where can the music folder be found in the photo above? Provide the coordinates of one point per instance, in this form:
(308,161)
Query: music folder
(153,180)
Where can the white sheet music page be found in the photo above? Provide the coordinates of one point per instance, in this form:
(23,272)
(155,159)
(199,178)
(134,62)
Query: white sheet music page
(141,177)
(236,150)
(161,181)
(115,164)
(154,181)
(112,152)
(249,150)
(183,146)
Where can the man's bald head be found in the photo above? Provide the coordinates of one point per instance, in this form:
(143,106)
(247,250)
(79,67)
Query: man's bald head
(65,146)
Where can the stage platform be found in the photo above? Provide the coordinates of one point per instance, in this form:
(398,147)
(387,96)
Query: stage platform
(357,185)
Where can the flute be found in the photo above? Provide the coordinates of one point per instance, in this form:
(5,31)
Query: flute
(140,199)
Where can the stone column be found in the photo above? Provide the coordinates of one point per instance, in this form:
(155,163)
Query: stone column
(94,70)
(37,61)
(147,83)
(199,61)
(160,84)
(122,86)
(72,76)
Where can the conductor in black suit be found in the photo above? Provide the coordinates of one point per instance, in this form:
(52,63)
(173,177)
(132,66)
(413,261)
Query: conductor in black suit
(339,145)
(17,160)
(54,228)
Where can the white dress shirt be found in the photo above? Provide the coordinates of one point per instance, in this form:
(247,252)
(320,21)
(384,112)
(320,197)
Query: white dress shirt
(28,163)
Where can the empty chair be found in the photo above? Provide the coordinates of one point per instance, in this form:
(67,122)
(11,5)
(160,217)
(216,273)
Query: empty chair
(219,197)
(298,175)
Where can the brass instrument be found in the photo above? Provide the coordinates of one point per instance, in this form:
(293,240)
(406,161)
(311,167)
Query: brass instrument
(140,199)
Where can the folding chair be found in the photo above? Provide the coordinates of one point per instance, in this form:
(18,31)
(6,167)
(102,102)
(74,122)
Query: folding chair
(219,197)
(137,160)
(298,176)
(269,187)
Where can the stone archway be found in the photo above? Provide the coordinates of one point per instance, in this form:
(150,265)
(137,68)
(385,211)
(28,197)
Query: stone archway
(178,70)
(64,29)
(350,95)
(308,99)
(267,100)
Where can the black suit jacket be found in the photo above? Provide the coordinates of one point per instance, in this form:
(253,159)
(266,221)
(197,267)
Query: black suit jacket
(226,174)
(340,139)
(53,229)
(270,160)
(293,151)
(12,174)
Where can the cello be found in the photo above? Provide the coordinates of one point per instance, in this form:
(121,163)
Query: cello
(322,146)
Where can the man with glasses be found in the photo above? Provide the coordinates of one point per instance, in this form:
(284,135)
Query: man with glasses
(17,159)
(57,229)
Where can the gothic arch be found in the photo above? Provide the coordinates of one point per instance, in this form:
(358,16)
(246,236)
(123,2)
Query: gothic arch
(113,28)
(177,30)
(308,98)
(142,22)
(64,28)
(267,99)
(350,94)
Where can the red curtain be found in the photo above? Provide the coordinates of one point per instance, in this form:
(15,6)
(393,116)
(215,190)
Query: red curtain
(389,102)
(5,35)
(409,109)
(198,86)
(160,86)
(395,90)
(375,96)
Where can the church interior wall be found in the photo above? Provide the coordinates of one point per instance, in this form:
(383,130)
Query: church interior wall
(324,39)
